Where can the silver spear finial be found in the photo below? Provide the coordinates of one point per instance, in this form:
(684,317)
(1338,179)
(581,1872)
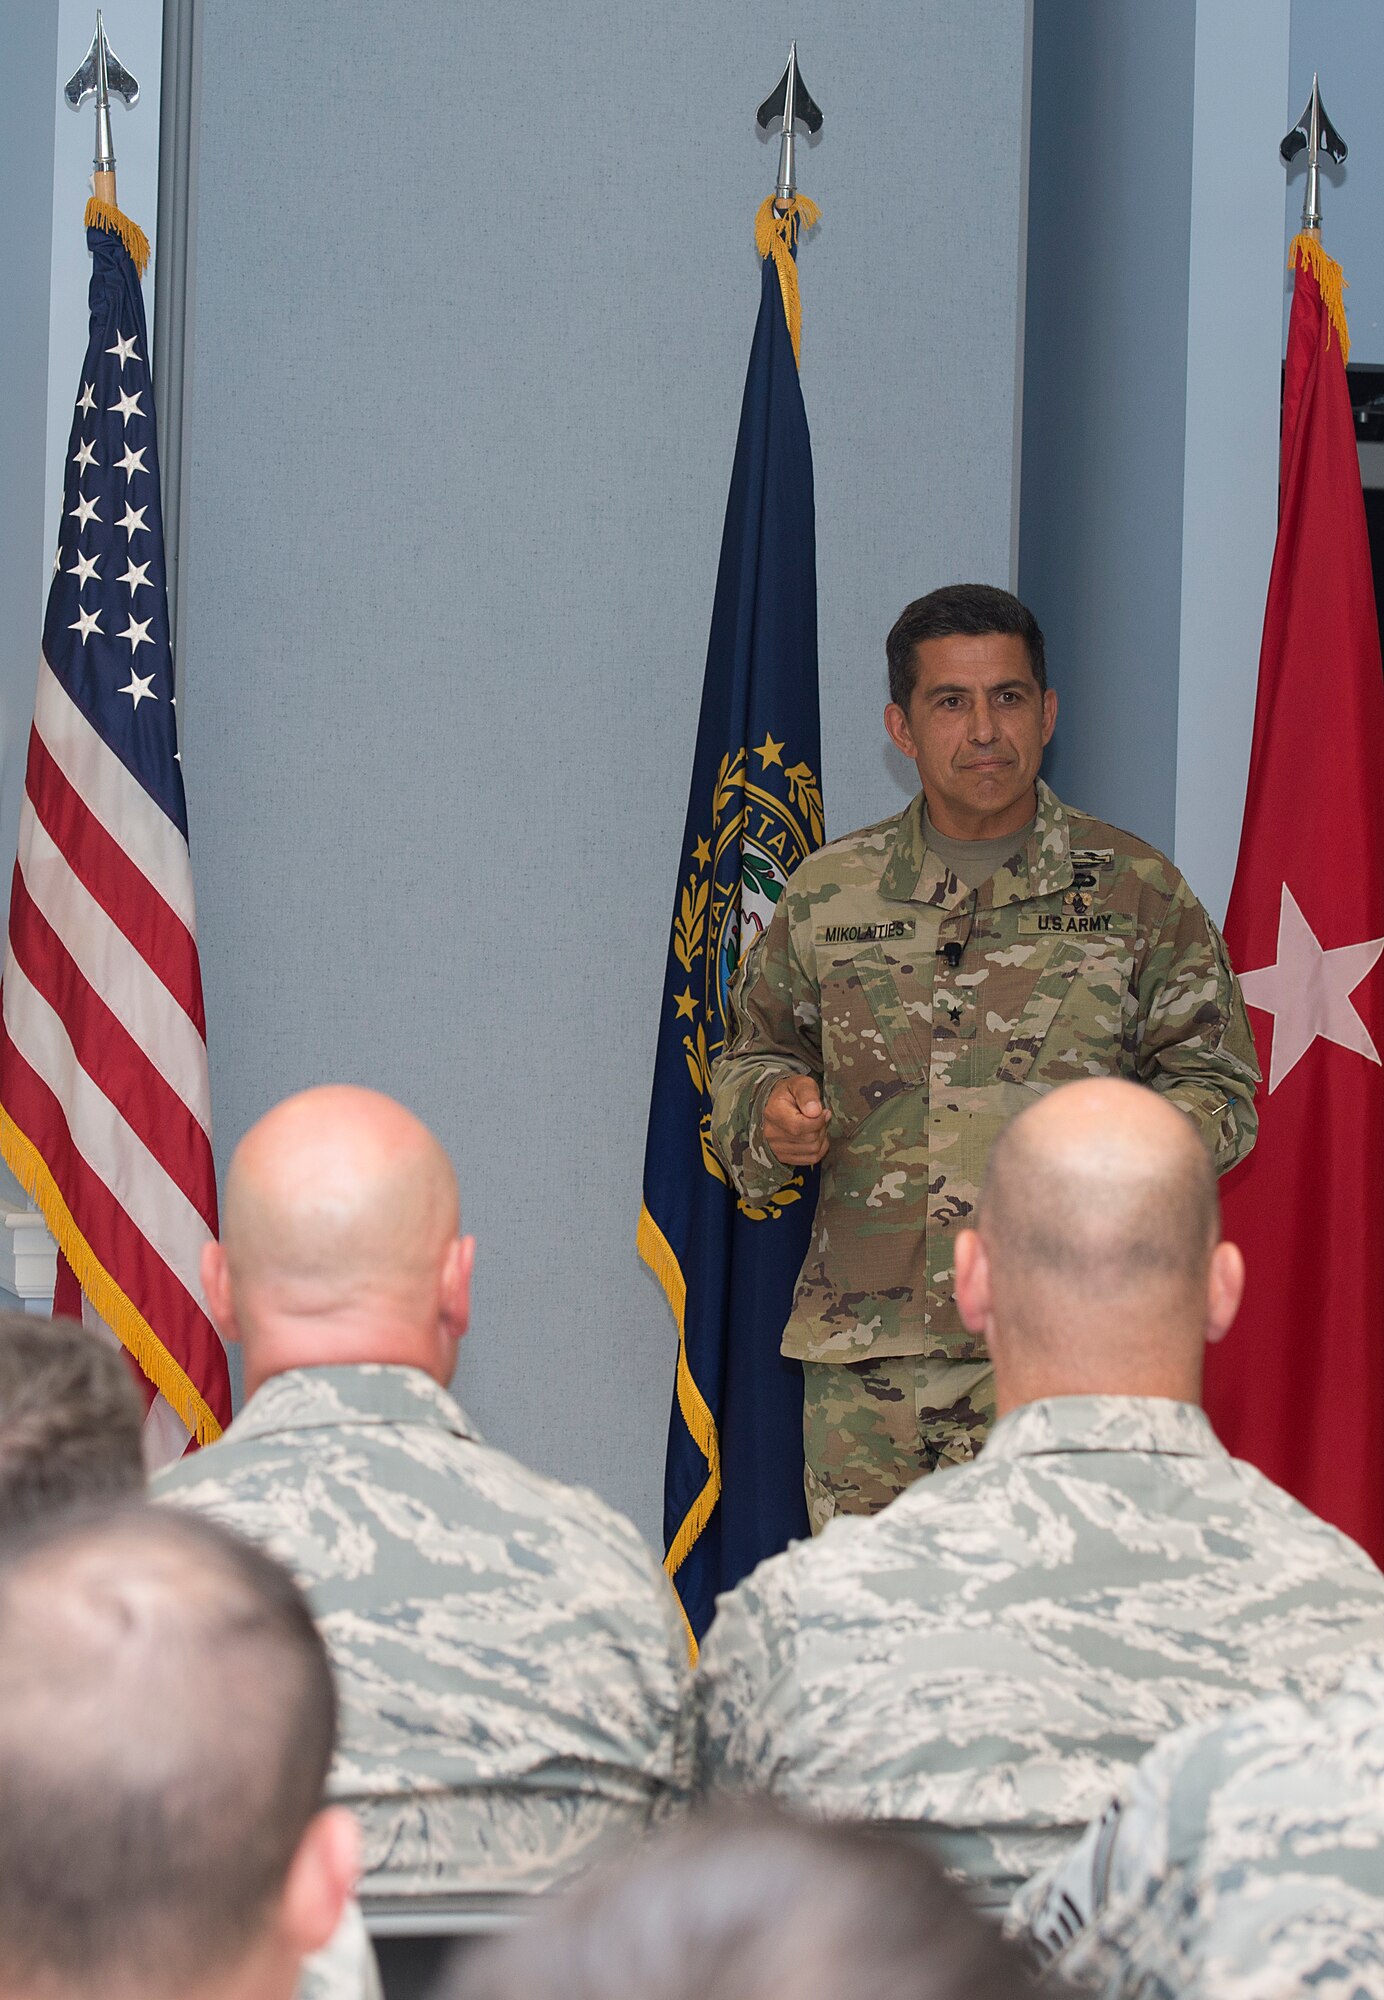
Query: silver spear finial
(789,100)
(101,74)
(1315,131)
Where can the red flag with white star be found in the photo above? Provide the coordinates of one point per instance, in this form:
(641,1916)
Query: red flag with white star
(1298,1385)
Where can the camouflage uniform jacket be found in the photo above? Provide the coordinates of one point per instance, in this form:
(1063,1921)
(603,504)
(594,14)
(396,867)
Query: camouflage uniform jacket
(509,1655)
(988,1658)
(933,1013)
(1244,1861)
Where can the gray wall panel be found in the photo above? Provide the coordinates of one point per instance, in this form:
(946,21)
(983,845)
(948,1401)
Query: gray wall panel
(1105,371)
(475,290)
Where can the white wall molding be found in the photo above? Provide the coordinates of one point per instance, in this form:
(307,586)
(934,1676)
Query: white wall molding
(28,1254)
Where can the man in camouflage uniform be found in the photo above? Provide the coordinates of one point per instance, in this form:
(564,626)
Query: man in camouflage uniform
(1244,1861)
(509,1655)
(921,980)
(986,1660)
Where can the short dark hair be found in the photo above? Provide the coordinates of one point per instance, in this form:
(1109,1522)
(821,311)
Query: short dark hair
(969,609)
(167,1719)
(750,1904)
(71,1421)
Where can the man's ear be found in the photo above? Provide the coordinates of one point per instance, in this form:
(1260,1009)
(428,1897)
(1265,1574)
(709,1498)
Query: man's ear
(455,1291)
(1049,713)
(972,1280)
(900,735)
(216,1283)
(320,1881)
(1225,1287)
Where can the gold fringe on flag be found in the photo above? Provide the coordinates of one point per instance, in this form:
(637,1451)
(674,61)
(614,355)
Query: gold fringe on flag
(1307,251)
(121,1315)
(656,1251)
(776,235)
(101,215)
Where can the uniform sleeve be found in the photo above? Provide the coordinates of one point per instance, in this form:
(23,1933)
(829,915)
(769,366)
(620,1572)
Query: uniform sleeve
(774,1030)
(744,1666)
(1194,1037)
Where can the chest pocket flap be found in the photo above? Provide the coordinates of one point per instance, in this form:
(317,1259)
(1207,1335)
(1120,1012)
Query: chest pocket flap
(1039,1012)
(906,1046)
(1102,966)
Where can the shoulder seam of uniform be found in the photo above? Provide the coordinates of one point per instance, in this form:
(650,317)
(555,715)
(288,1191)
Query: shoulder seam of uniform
(845,840)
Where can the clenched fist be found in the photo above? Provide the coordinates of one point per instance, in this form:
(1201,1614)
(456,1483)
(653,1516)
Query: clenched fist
(795,1121)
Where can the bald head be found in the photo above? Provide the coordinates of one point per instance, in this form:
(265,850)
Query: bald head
(339,1239)
(1097,1250)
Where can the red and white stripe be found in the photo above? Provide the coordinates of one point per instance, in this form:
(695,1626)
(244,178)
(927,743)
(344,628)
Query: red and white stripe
(103,1035)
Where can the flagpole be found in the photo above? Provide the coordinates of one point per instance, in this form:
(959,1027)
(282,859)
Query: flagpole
(1314,133)
(101,74)
(784,211)
(790,102)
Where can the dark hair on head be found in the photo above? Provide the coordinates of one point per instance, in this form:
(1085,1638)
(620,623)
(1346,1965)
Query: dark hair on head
(167,1720)
(970,610)
(71,1421)
(749,1904)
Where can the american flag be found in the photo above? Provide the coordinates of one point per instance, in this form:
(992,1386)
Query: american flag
(105,1109)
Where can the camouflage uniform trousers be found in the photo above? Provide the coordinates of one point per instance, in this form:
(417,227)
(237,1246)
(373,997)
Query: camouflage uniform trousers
(870,1428)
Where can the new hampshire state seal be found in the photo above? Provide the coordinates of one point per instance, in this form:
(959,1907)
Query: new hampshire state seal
(763,821)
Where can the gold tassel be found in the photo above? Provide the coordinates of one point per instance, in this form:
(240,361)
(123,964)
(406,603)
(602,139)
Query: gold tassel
(775,235)
(121,1315)
(1307,251)
(656,1251)
(100,215)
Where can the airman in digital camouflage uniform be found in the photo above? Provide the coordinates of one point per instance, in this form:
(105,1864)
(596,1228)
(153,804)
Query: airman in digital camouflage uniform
(986,1661)
(71,1424)
(509,1655)
(167,1717)
(1244,1861)
(920,982)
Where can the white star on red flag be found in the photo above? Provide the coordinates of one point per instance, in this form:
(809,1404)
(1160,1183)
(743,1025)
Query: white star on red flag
(1307,990)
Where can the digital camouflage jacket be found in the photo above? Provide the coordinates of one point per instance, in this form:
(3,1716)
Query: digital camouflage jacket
(1244,1861)
(509,1656)
(932,1014)
(986,1661)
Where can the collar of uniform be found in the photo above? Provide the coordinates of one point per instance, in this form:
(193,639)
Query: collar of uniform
(1104,1423)
(914,874)
(368,1393)
(1044,865)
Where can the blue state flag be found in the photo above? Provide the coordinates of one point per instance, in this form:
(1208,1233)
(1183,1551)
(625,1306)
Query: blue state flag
(733,1489)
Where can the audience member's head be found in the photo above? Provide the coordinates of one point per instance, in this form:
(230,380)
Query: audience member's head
(339,1240)
(753,1905)
(71,1421)
(1096,1266)
(167,1718)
